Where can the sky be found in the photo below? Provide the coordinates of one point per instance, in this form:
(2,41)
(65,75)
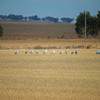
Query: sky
(55,8)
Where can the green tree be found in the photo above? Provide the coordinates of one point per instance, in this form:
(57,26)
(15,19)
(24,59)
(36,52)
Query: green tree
(98,19)
(91,24)
(1,31)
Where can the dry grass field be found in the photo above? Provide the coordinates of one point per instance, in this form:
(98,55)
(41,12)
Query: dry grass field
(49,43)
(49,76)
(20,30)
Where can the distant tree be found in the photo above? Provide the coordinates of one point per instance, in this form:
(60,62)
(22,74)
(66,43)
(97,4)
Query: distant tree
(3,17)
(34,18)
(51,19)
(66,20)
(25,18)
(91,24)
(1,31)
(15,17)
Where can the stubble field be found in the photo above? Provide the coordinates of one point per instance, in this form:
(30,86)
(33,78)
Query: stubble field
(24,30)
(49,76)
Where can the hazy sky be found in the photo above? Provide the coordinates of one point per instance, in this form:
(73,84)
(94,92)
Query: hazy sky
(55,8)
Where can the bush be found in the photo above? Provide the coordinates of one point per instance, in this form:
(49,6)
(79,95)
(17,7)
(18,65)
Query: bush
(1,31)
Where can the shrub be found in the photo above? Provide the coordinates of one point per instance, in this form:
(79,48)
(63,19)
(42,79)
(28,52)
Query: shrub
(1,31)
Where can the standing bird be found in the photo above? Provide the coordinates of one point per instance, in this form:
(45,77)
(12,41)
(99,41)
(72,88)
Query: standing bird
(16,52)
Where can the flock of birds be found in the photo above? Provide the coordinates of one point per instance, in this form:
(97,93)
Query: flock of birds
(47,51)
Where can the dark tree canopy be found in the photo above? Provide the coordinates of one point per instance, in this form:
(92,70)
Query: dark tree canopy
(98,19)
(91,24)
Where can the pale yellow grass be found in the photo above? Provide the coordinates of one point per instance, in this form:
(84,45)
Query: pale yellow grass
(49,76)
(31,43)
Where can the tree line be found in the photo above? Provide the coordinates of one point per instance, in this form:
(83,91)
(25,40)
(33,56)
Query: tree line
(13,17)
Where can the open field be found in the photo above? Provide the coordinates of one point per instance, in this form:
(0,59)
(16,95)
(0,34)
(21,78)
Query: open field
(20,30)
(49,43)
(49,76)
